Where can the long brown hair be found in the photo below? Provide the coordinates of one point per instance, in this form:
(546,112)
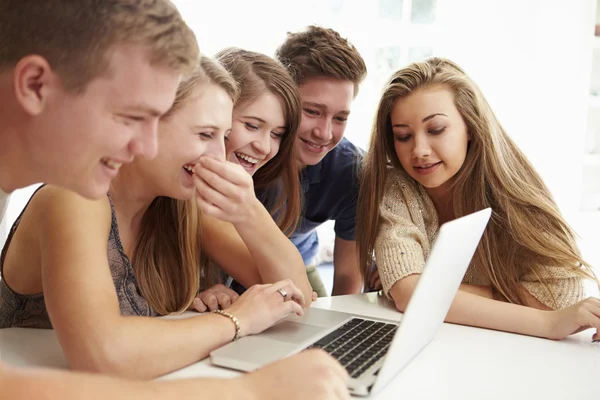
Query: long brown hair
(256,73)
(526,233)
(168,258)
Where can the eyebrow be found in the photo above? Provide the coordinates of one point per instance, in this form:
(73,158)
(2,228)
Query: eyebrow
(427,118)
(262,121)
(324,107)
(254,118)
(146,109)
(214,127)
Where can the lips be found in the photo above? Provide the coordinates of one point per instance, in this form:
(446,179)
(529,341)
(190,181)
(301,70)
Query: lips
(246,159)
(313,144)
(249,163)
(427,166)
(111,163)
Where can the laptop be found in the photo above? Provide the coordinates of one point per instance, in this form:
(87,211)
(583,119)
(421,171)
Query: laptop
(372,350)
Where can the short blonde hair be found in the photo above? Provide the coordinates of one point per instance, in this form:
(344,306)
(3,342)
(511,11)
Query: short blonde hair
(75,37)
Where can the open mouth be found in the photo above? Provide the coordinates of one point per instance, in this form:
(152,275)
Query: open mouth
(246,161)
(189,169)
(110,163)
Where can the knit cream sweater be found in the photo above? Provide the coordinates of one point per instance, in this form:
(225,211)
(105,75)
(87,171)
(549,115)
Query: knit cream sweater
(408,226)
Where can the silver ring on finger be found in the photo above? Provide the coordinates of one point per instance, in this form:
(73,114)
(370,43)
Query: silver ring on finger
(283,293)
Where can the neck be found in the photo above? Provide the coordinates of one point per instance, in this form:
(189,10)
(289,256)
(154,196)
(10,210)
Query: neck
(442,200)
(131,195)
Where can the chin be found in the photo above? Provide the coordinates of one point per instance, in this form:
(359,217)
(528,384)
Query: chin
(95,185)
(93,190)
(307,159)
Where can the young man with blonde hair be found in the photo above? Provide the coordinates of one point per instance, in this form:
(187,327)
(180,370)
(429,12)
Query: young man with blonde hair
(82,86)
(328,70)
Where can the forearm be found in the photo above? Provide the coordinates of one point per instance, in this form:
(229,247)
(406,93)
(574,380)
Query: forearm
(346,273)
(123,347)
(474,310)
(486,291)
(346,284)
(46,385)
(274,255)
(479,290)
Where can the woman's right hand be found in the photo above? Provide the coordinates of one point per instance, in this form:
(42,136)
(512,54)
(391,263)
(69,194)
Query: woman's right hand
(574,319)
(225,191)
(261,306)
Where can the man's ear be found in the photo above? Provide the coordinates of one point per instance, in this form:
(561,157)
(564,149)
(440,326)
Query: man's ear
(33,79)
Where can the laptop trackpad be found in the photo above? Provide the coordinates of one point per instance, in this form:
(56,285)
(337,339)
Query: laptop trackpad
(291,332)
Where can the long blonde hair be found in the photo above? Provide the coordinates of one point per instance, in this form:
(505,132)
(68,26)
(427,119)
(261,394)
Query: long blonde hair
(526,233)
(168,260)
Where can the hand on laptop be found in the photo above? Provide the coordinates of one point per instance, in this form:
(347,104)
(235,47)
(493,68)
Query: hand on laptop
(218,296)
(312,374)
(576,318)
(261,306)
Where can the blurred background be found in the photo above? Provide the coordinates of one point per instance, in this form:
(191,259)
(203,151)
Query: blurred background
(537,62)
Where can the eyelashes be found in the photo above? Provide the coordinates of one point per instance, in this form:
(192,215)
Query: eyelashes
(406,138)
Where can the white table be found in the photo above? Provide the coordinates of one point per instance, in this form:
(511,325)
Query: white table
(461,362)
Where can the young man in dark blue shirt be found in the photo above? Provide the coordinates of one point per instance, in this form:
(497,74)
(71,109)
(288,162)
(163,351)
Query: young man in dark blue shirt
(328,71)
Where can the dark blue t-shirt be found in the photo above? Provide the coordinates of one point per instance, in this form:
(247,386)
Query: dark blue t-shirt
(330,192)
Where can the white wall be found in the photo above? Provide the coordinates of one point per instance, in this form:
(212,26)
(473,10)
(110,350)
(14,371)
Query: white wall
(17,201)
(532,59)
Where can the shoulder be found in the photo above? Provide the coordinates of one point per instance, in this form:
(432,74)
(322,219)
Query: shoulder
(402,194)
(344,162)
(347,152)
(58,208)
(398,182)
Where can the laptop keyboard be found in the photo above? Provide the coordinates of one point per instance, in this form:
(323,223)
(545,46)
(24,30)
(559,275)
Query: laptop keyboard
(358,344)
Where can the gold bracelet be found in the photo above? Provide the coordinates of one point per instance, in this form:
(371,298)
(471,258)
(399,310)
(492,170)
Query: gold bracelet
(236,322)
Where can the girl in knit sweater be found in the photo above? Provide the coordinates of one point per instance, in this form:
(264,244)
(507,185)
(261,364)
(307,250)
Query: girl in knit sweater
(437,153)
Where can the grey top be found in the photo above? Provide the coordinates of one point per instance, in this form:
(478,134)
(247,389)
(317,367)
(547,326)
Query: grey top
(29,311)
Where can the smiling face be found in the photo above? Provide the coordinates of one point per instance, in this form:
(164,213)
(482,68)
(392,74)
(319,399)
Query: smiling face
(326,106)
(256,133)
(198,128)
(430,136)
(80,140)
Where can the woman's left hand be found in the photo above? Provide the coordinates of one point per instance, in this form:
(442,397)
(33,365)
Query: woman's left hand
(218,296)
(375,280)
(225,190)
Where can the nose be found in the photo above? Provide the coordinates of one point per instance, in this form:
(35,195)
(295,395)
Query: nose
(323,131)
(262,145)
(421,147)
(216,148)
(145,144)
